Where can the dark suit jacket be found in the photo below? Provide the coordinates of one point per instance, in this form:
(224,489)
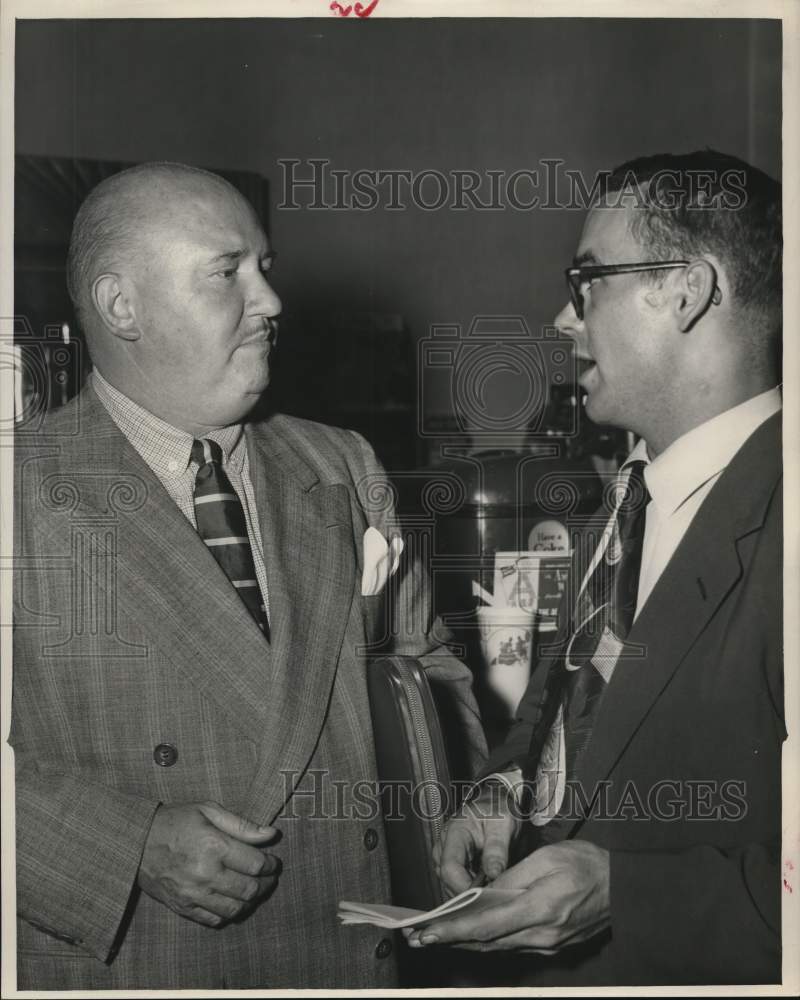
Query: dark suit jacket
(686,754)
(128,635)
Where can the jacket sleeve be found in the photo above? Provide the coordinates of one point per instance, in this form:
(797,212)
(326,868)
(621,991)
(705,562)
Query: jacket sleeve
(78,851)
(717,905)
(408,627)
(78,841)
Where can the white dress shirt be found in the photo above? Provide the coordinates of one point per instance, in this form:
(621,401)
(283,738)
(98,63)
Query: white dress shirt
(682,476)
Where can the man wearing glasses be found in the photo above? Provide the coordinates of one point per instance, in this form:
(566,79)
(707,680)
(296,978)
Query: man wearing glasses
(639,789)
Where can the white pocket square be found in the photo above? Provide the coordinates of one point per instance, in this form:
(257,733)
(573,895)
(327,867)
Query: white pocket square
(381,559)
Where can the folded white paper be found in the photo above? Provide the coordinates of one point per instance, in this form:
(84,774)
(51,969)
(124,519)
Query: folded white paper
(395,917)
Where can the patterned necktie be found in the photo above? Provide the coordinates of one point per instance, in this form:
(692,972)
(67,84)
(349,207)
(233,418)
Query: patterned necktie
(222,526)
(603,618)
(600,624)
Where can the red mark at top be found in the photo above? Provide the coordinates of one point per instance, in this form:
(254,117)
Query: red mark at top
(358,9)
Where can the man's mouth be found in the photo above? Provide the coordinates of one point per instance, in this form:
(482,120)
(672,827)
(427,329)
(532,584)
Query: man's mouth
(588,370)
(265,334)
(583,359)
(260,338)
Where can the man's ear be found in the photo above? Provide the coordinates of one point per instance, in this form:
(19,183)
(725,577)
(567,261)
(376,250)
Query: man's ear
(696,290)
(112,301)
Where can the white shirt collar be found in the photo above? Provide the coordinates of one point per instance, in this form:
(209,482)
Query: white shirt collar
(703,452)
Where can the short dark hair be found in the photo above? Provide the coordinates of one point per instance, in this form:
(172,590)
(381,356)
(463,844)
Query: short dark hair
(709,202)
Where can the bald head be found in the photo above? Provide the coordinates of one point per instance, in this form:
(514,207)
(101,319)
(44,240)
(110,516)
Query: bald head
(120,216)
(169,272)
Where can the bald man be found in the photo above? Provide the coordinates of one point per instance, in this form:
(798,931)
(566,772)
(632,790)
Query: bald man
(194,764)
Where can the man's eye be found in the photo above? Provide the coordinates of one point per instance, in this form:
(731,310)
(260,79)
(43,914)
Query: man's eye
(227,272)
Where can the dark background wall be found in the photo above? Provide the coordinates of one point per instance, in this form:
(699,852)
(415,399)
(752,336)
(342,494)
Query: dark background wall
(403,94)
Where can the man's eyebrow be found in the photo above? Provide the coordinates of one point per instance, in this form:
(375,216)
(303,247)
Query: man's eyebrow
(228,255)
(234,255)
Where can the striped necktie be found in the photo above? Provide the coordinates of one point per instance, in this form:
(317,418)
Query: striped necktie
(222,526)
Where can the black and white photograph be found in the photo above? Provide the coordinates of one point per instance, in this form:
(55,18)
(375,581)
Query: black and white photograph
(396,428)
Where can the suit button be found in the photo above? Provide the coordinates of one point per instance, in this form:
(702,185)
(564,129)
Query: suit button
(384,948)
(165,754)
(370,839)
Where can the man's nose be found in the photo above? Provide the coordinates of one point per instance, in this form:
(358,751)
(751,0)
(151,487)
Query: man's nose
(567,322)
(264,300)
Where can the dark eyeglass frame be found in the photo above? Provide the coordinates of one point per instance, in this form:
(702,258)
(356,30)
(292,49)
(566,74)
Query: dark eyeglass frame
(577,276)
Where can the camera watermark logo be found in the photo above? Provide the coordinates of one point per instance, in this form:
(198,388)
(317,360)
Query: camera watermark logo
(45,371)
(493,382)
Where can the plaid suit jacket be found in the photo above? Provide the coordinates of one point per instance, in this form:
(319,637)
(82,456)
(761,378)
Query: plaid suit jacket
(128,636)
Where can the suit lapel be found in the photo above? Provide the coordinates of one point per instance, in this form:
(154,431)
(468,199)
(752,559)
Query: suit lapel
(275,693)
(308,550)
(702,572)
(167,580)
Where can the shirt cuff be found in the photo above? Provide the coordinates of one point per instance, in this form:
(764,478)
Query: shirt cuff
(512,780)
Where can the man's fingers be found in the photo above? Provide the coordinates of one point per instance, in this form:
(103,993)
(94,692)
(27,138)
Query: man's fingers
(495,850)
(519,946)
(250,861)
(455,877)
(202,916)
(455,857)
(244,887)
(538,940)
(266,885)
(223,906)
(237,826)
(487,925)
(241,887)
(537,865)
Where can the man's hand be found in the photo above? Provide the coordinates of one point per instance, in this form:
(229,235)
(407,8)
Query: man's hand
(565,900)
(474,846)
(198,861)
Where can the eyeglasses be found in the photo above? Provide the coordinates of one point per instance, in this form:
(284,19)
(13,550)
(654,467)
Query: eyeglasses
(578,276)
